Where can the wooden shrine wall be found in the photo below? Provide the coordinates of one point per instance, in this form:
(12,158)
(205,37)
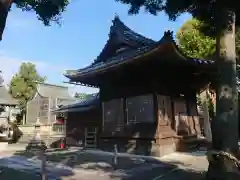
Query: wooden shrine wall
(113,118)
(130,123)
(195,125)
(129,117)
(177,117)
(137,117)
(165,117)
(78,121)
(186,117)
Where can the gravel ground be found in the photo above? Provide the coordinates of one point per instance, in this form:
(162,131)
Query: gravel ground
(93,161)
(196,161)
(91,165)
(190,166)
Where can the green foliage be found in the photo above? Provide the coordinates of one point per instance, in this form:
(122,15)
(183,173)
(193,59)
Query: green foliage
(237,36)
(199,101)
(211,108)
(215,14)
(210,105)
(46,10)
(23,84)
(193,42)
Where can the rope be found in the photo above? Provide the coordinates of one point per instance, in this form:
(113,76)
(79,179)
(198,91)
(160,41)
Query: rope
(212,154)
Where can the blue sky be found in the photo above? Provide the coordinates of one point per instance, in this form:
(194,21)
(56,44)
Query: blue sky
(76,43)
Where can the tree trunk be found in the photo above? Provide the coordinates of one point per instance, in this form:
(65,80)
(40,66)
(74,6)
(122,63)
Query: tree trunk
(225,124)
(206,123)
(4,8)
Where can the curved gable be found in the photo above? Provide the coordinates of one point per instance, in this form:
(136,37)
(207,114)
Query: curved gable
(121,38)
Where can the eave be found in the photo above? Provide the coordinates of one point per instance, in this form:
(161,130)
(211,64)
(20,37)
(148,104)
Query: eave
(79,83)
(164,45)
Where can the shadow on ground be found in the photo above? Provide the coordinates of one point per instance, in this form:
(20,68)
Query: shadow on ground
(126,167)
(11,174)
(178,174)
(20,167)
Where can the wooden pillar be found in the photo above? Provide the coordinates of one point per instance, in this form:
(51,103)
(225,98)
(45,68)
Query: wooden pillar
(103,116)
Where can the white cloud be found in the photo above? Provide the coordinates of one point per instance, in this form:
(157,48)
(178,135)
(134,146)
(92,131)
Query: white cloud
(54,74)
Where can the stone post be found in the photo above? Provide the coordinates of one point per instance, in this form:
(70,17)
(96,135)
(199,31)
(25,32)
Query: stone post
(43,165)
(115,157)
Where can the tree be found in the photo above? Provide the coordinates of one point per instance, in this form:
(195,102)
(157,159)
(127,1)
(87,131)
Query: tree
(46,10)
(194,43)
(23,85)
(219,19)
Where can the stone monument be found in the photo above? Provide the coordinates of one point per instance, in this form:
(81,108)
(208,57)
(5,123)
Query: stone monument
(36,144)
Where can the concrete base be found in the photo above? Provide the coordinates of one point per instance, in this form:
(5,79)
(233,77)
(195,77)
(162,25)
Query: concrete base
(3,146)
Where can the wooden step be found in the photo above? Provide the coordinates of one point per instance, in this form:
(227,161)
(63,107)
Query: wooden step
(90,138)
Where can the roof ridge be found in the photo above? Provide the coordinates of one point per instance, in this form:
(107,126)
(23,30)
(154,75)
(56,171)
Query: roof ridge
(124,35)
(116,22)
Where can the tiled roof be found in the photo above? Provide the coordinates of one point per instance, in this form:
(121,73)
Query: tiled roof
(92,101)
(55,91)
(128,34)
(65,102)
(130,55)
(113,60)
(121,34)
(5,97)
